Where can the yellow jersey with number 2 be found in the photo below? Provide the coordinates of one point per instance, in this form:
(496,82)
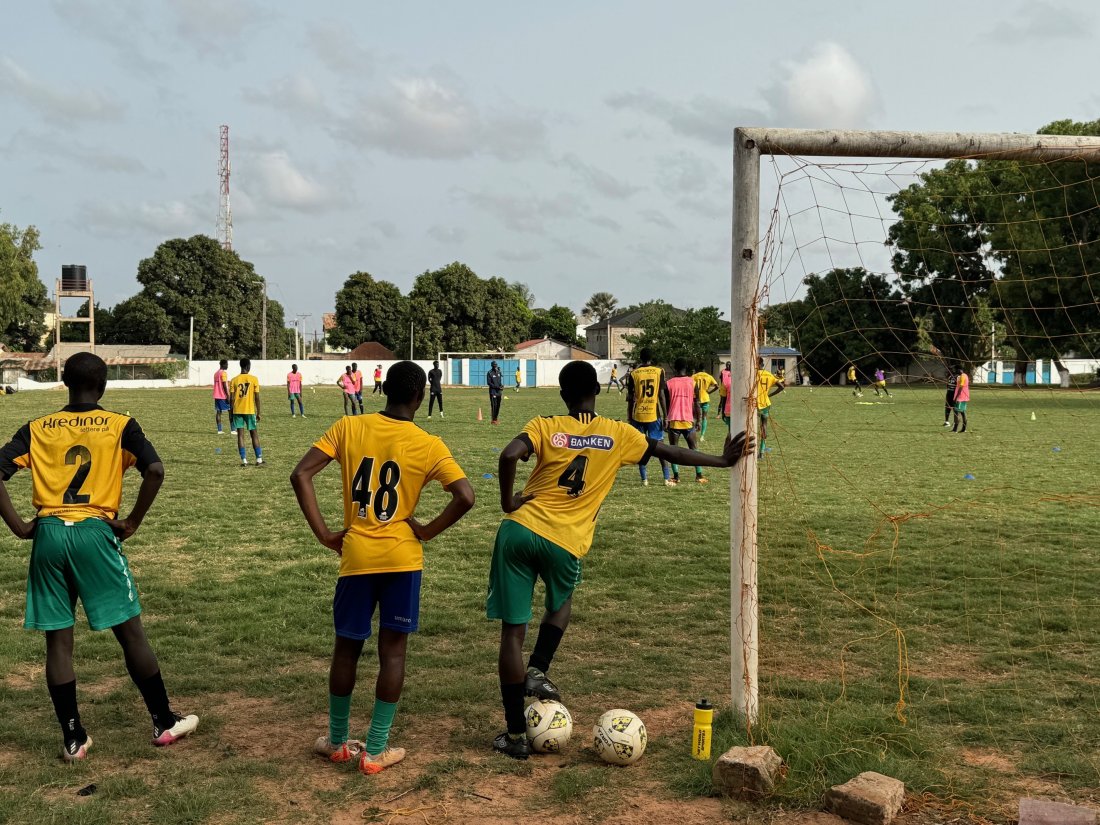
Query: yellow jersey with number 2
(385,463)
(577,461)
(647,393)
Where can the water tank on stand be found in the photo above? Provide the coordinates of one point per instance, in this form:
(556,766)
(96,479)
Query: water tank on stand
(74,278)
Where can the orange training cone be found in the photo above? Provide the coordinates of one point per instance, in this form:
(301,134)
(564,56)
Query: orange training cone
(479,418)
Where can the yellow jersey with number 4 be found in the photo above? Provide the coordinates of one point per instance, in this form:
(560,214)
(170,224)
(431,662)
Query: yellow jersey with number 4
(646,394)
(77,457)
(577,461)
(385,463)
(242,394)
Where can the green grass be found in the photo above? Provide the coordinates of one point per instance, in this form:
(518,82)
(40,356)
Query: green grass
(990,589)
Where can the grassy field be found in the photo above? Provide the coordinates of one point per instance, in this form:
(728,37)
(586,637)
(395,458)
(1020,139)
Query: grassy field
(941,630)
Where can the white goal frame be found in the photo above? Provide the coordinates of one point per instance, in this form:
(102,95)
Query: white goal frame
(748,145)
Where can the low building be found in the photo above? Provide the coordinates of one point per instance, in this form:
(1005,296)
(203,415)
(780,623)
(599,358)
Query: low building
(543,348)
(608,338)
(123,361)
(780,361)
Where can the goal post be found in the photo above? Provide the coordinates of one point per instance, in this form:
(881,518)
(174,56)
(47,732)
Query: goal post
(750,144)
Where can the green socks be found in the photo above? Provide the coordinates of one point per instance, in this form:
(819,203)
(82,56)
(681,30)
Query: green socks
(380,723)
(339,711)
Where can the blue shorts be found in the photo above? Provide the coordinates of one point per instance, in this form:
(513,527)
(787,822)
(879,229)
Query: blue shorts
(396,595)
(651,429)
(221,405)
(359,397)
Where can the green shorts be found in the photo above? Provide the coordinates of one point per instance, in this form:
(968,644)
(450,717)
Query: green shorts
(765,413)
(704,406)
(960,406)
(78,559)
(244,422)
(519,557)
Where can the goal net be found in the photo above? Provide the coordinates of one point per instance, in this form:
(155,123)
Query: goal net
(909,597)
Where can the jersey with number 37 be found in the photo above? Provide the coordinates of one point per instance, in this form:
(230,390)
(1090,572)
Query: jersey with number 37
(77,457)
(578,459)
(385,463)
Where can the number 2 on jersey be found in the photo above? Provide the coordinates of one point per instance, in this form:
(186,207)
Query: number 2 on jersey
(78,455)
(385,498)
(572,478)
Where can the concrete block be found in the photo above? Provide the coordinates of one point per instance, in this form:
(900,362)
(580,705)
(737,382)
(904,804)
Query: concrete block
(1044,812)
(749,773)
(869,799)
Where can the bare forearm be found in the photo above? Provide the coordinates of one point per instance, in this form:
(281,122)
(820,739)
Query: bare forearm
(151,481)
(8,512)
(462,499)
(306,494)
(682,455)
(506,476)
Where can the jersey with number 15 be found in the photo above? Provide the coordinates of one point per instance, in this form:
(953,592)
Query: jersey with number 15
(385,463)
(646,393)
(578,459)
(77,457)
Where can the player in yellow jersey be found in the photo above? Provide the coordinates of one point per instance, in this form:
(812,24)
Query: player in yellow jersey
(77,457)
(385,462)
(705,384)
(767,385)
(646,402)
(548,529)
(244,395)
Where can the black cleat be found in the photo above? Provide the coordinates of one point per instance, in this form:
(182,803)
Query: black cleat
(518,748)
(539,684)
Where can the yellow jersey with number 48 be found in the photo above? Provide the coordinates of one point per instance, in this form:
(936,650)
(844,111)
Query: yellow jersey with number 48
(77,457)
(577,461)
(385,463)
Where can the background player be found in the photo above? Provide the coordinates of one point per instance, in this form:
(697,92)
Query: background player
(880,382)
(949,399)
(495,381)
(683,413)
(346,383)
(221,396)
(962,400)
(435,388)
(294,390)
(767,385)
(519,378)
(853,379)
(725,383)
(614,381)
(377,383)
(77,551)
(705,384)
(244,395)
(385,463)
(357,380)
(646,398)
(548,529)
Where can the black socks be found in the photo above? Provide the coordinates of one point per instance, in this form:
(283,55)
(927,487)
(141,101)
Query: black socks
(64,705)
(512,696)
(546,645)
(156,700)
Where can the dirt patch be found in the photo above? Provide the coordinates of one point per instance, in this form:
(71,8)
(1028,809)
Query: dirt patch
(988,758)
(25,676)
(951,662)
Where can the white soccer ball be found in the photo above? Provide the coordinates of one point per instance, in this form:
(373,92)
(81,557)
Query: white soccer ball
(549,726)
(619,737)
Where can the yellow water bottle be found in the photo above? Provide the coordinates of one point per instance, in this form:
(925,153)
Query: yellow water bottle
(700,736)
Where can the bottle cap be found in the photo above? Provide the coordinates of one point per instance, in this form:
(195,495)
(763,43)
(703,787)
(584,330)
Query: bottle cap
(703,704)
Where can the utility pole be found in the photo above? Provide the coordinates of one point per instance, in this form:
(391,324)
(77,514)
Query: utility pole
(263,324)
(410,340)
(299,334)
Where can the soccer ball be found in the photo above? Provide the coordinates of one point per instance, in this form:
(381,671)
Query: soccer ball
(549,726)
(619,737)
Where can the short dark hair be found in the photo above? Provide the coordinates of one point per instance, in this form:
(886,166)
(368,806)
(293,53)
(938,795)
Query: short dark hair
(223,364)
(578,381)
(680,364)
(294,366)
(404,382)
(435,363)
(85,371)
(760,360)
(645,355)
(354,364)
(246,364)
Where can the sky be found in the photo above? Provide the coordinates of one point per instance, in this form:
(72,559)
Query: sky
(573,146)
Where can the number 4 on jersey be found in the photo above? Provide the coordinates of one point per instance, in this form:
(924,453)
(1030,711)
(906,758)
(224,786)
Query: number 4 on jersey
(572,479)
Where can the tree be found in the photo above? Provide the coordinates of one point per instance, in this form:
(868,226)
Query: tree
(670,333)
(369,310)
(600,306)
(558,322)
(104,329)
(456,311)
(848,316)
(23,297)
(524,292)
(139,320)
(197,277)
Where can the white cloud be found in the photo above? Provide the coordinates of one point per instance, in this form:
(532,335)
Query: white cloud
(431,117)
(337,47)
(171,218)
(1034,21)
(827,89)
(603,182)
(280,183)
(120,24)
(295,94)
(216,28)
(93,157)
(448,234)
(705,118)
(53,102)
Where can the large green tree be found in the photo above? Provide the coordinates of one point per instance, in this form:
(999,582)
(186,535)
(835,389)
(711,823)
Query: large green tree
(670,333)
(369,310)
(600,306)
(139,320)
(197,277)
(848,316)
(23,297)
(558,322)
(456,311)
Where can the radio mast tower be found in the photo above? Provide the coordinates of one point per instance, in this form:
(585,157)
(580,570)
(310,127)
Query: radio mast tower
(224,231)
